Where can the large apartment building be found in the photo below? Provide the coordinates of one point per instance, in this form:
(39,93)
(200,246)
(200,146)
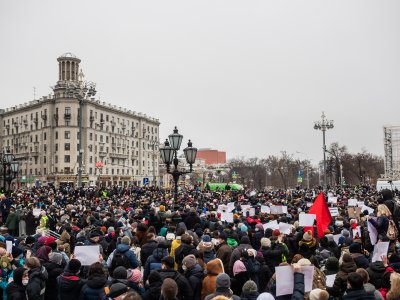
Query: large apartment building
(43,135)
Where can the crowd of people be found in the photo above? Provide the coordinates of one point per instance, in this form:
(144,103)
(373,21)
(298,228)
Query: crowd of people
(155,247)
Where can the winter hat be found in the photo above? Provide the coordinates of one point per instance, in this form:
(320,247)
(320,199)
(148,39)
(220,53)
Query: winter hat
(345,233)
(276,232)
(117,289)
(74,266)
(307,236)
(238,267)
(56,258)
(318,294)
(245,240)
(29,240)
(126,240)
(134,275)
(162,208)
(16,252)
(42,240)
(347,258)
(243,228)
(355,248)
(330,237)
(18,274)
(206,238)
(120,273)
(223,236)
(260,227)
(265,242)
(332,264)
(189,261)
(110,229)
(154,277)
(265,296)
(304,262)
(50,240)
(223,281)
(170,236)
(103,229)
(250,286)
(327,231)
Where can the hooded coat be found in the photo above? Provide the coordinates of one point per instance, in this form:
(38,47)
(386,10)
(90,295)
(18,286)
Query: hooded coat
(37,284)
(195,277)
(154,262)
(214,268)
(64,240)
(53,270)
(69,285)
(375,272)
(94,287)
(340,284)
(15,290)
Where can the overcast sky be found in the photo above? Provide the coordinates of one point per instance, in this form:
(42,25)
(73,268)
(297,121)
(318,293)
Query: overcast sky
(246,77)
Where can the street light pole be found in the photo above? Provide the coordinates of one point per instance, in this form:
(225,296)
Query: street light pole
(323,125)
(80,90)
(10,168)
(169,155)
(154,144)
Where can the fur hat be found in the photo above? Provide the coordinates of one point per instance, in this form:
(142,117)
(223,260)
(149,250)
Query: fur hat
(265,242)
(250,286)
(307,236)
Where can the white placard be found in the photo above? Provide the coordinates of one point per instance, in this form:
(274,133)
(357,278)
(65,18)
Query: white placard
(231,206)
(330,280)
(87,255)
(380,249)
(250,210)
(278,209)
(227,216)
(352,202)
(265,209)
(332,200)
(36,212)
(373,233)
(355,232)
(273,225)
(222,208)
(369,209)
(285,228)
(284,209)
(336,238)
(9,246)
(334,211)
(309,204)
(306,219)
(285,279)
(360,203)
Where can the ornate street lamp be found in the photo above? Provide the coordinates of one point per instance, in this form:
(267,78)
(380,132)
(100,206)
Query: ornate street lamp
(323,125)
(169,155)
(80,90)
(10,168)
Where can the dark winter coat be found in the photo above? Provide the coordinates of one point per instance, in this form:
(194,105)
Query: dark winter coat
(69,286)
(358,294)
(191,220)
(154,262)
(53,270)
(182,251)
(360,260)
(273,255)
(340,284)
(195,277)
(153,291)
(37,284)
(147,250)
(226,292)
(129,254)
(381,224)
(94,287)
(299,288)
(375,272)
(184,289)
(16,291)
(224,254)
(236,255)
(249,295)
(12,221)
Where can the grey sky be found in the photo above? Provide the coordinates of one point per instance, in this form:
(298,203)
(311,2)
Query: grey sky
(247,77)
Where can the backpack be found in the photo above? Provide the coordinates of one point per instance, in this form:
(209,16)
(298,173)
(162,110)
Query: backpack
(392,232)
(119,259)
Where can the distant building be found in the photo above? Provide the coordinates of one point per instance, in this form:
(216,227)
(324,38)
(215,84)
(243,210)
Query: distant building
(43,136)
(392,152)
(211,156)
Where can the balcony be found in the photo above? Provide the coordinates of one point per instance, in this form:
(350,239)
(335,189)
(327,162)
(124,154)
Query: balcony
(35,153)
(119,155)
(67,116)
(102,153)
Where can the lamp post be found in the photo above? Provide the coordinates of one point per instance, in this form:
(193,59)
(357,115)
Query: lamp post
(10,168)
(323,125)
(169,155)
(308,168)
(80,90)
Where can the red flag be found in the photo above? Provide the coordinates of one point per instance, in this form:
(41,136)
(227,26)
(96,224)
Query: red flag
(323,215)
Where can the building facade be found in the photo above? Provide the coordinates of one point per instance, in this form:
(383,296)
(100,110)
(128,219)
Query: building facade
(43,135)
(211,156)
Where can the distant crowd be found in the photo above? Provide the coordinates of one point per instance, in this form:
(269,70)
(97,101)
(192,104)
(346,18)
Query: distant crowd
(203,245)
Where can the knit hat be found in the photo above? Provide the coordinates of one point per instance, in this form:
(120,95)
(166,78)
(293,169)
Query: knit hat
(74,266)
(260,227)
(276,232)
(347,258)
(355,248)
(189,261)
(110,229)
(134,275)
(245,240)
(103,229)
(332,264)
(223,281)
(206,238)
(42,240)
(16,252)
(56,258)
(126,240)
(345,233)
(120,273)
(50,240)
(318,294)
(304,262)
(117,289)
(170,236)
(265,296)
(307,236)
(162,208)
(154,277)
(243,228)
(265,242)
(250,286)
